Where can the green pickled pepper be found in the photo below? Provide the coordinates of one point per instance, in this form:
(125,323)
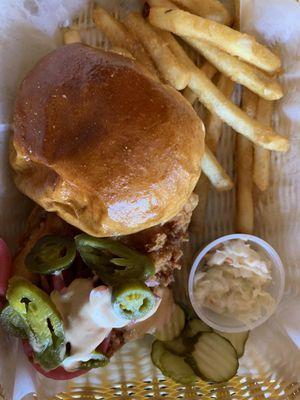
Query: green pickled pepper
(132,300)
(13,323)
(97,360)
(31,312)
(51,254)
(112,261)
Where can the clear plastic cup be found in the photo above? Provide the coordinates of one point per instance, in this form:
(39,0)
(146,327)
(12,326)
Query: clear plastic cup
(276,288)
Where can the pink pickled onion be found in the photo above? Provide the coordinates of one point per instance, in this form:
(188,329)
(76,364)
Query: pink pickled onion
(5,267)
(105,345)
(58,281)
(45,284)
(152,283)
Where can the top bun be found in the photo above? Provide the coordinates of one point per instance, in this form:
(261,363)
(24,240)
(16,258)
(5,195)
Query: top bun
(103,144)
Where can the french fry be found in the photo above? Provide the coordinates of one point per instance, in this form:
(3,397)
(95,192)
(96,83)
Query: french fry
(169,40)
(175,47)
(121,51)
(215,101)
(249,103)
(71,36)
(198,217)
(119,36)
(214,124)
(161,3)
(210,9)
(244,219)
(261,169)
(210,166)
(237,13)
(239,44)
(173,70)
(189,95)
(209,71)
(214,171)
(239,71)
(179,52)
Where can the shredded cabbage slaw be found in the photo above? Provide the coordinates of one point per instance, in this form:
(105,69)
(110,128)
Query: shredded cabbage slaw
(234,281)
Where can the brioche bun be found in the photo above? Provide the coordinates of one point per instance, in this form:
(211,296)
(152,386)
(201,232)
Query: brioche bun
(103,144)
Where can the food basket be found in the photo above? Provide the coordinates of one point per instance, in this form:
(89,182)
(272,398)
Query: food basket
(131,374)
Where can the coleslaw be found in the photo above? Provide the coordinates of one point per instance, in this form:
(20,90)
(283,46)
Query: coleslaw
(234,281)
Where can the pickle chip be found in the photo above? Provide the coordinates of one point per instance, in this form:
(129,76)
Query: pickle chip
(133,300)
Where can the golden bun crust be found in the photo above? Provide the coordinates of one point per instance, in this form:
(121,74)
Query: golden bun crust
(98,141)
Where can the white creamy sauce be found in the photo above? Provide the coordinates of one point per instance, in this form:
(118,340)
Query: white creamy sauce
(234,282)
(161,314)
(88,318)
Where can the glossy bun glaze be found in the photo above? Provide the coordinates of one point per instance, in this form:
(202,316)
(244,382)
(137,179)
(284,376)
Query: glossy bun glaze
(98,141)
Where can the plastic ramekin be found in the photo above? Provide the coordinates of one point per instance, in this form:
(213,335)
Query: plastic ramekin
(276,287)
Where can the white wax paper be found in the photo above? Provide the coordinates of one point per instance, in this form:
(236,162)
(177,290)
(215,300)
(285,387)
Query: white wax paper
(276,344)
(28,30)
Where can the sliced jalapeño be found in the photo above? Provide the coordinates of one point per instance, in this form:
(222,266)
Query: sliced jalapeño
(112,261)
(32,315)
(132,300)
(97,360)
(51,254)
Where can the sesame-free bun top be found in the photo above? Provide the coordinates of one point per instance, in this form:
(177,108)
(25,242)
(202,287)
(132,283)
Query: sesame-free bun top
(103,144)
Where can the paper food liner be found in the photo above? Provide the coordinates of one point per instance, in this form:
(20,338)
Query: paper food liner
(29,29)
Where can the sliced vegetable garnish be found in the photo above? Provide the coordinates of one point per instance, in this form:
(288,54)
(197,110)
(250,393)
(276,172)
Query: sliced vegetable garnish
(156,352)
(13,323)
(238,340)
(194,327)
(179,346)
(52,357)
(132,300)
(172,365)
(188,310)
(214,358)
(173,326)
(177,368)
(97,360)
(51,254)
(112,261)
(58,373)
(42,323)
